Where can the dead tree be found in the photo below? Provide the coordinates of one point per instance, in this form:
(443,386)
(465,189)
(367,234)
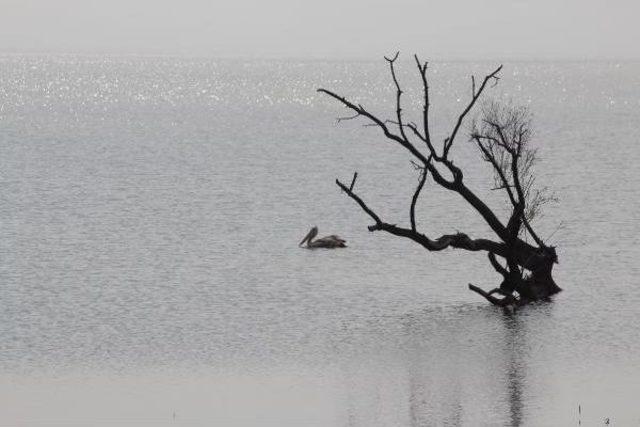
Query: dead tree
(502,135)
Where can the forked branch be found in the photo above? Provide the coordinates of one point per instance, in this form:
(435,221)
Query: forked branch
(456,184)
(361,111)
(508,300)
(458,240)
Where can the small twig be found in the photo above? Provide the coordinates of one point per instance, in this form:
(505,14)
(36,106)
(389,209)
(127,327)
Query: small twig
(394,57)
(343,119)
(501,187)
(360,202)
(353,181)
(561,225)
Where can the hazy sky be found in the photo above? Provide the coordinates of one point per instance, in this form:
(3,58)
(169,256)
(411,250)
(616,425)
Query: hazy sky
(331,28)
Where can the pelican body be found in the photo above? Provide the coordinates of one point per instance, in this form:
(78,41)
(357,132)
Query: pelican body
(330,242)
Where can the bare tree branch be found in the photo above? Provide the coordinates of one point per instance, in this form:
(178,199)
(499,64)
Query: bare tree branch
(343,119)
(359,201)
(391,62)
(458,240)
(416,194)
(496,265)
(422,67)
(380,123)
(503,138)
(353,181)
(498,168)
(504,302)
(450,140)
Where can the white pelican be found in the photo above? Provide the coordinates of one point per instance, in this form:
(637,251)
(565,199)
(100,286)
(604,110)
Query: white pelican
(332,241)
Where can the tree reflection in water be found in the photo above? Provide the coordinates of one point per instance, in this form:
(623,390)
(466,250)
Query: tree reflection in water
(454,366)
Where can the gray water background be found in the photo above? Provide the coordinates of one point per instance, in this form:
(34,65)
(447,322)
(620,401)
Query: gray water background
(150,210)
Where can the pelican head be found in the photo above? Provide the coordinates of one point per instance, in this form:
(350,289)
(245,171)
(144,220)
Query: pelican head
(310,235)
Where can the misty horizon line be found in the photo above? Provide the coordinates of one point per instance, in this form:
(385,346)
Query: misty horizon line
(315,58)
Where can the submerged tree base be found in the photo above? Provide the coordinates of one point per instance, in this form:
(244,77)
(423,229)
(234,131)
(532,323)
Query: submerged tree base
(535,287)
(518,289)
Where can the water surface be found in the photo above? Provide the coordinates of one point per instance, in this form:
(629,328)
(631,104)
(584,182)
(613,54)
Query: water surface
(150,211)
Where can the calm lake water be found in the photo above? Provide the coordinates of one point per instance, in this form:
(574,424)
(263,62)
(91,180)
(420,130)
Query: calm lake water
(150,210)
